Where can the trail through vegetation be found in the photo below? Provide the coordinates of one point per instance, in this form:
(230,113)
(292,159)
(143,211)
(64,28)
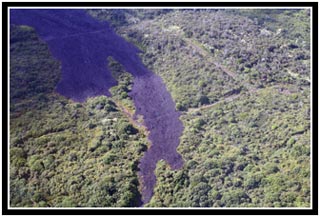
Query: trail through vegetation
(164,108)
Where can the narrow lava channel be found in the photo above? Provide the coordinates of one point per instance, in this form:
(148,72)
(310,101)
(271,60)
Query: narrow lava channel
(82,44)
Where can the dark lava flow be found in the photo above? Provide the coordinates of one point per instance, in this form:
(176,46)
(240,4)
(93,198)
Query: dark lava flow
(82,45)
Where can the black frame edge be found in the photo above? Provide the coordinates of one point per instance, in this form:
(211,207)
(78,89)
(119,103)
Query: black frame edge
(83,211)
(315,158)
(4,113)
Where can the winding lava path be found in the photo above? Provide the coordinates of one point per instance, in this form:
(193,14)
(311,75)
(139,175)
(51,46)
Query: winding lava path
(82,45)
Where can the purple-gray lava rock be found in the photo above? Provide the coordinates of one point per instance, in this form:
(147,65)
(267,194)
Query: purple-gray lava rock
(82,45)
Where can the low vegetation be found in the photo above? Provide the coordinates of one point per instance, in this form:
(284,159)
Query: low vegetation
(241,79)
(67,154)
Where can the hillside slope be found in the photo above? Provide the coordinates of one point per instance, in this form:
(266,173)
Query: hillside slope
(240,84)
(242,80)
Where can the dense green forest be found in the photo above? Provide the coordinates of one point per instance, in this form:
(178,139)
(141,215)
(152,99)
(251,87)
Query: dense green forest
(241,79)
(63,153)
(204,56)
